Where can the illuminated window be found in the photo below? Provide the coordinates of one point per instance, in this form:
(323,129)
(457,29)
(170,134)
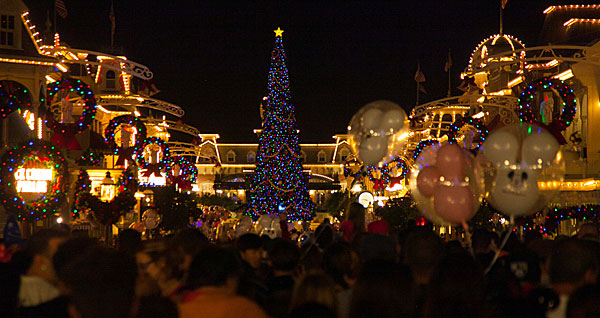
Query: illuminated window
(321,156)
(231,156)
(110,80)
(8,31)
(251,156)
(344,154)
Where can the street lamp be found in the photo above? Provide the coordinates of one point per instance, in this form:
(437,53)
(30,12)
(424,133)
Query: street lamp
(107,190)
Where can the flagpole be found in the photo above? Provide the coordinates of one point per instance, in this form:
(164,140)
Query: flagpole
(449,78)
(418,89)
(501,9)
(54,11)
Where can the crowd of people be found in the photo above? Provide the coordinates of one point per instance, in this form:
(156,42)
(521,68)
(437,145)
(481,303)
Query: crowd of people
(362,270)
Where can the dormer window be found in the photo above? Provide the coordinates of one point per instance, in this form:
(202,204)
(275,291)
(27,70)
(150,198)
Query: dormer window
(251,156)
(302,156)
(110,80)
(321,156)
(231,156)
(344,154)
(8,31)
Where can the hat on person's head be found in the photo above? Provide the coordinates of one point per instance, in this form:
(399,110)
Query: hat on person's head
(12,232)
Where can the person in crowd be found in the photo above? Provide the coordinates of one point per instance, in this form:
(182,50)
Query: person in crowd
(213,277)
(422,250)
(38,287)
(481,246)
(102,284)
(314,287)
(379,226)
(129,241)
(457,289)
(187,244)
(312,310)
(375,246)
(66,253)
(383,290)
(584,303)
(340,262)
(251,250)
(355,221)
(284,257)
(573,264)
(251,284)
(588,231)
(156,307)
(156,263)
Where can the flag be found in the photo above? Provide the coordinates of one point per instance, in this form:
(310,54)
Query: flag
(422,89)
(467,84)
(448,64)
(419,76)
(148,88)
(111,17)
(504,3)
(61,9)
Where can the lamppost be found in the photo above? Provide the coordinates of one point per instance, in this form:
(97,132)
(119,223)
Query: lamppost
(107,189)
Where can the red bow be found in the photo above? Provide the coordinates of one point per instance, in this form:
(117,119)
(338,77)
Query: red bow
(182,183)
(152,168)
(125,154)
(395,180)
(378,184)
(555,128)
(64,137)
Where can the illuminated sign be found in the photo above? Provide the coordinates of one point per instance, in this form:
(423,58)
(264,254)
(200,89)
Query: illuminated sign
(33,180)
(152,180)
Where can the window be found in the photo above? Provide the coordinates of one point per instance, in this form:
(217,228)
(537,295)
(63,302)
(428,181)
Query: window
(251,156)
(8,31)
(302,156)
(110,80)
(344,154)
(445,124)
(231,156)
(321,156)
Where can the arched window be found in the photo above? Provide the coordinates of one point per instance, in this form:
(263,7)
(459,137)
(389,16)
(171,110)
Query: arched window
(303,156)
(110,80)
(321,156)
(251,156)
(230,156)
(344,154)
(445,124)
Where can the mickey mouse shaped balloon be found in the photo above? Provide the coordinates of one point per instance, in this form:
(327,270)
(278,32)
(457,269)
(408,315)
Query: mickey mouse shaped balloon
(378,131)
(525,169)
(447,182)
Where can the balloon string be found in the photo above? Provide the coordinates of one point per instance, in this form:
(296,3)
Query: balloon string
(487,270)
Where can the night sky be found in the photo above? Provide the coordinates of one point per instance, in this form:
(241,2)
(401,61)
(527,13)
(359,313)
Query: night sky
(212,57)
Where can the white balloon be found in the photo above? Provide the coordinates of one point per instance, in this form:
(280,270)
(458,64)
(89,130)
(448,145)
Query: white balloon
(515,191)
(371,119)
(393,120)
(539,148)
(501,147)
(372,150)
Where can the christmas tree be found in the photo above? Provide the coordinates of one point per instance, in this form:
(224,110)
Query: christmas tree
(278,184)
(83,187)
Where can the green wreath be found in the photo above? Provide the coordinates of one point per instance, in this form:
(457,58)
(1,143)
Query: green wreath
(13,97)
(49,156)
(89,108)
(166,159)
(470,121)
(113,124)
(569,103)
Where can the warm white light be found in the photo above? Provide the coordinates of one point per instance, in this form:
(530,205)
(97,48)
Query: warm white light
(478,115)
(59,220)
(33,180)
(563,76)
(356,188)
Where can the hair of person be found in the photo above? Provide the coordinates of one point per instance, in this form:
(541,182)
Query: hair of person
(456,289)
(284,255)
(356,215)
(383,289)
(213,266)
(570,261)
(314,287)
(312,310)
(39,242)
(480,240)
(102,283)
(248,241)
(422,250)
(338,262)
(584,303)
(69,251)
(159,251)
(129,241)
(190,241)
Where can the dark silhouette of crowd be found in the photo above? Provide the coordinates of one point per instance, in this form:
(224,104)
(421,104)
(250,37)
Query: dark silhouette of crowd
(329,273)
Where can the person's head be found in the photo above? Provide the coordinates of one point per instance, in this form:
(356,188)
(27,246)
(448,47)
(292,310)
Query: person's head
(154,259)
(588,231)
(251,251)
(102,284)
(456,288)
(340,263)
(422,250)
(481,241)
(69,251)
(129,241)
(41,246)
(187,244)
(314,287)
(356,215)
(375,246)
(214,267)
(383,289)
(324,235)
(572,265)
(284,256)
(584,303)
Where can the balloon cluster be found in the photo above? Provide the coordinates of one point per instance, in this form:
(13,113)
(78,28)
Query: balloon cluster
(377,132)
(524,169)
(447,183)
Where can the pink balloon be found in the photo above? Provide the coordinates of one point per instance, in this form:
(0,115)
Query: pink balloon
(454,204)
(427,179)
(450,160)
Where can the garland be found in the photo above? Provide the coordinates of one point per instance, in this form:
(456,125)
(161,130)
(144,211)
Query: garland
(109,132)
(422,145)
(156,168)
(13,97)
(475,122)
(34,150)
(187,170)
(89,158)
(569,103)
